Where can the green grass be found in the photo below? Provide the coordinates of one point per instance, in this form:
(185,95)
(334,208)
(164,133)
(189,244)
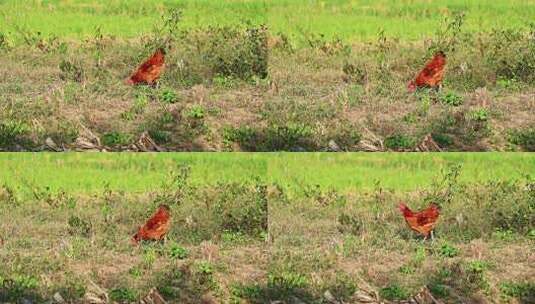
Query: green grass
(345,236)
(326,240)
(411,19)
(354,172)
(121,17)
(132,172)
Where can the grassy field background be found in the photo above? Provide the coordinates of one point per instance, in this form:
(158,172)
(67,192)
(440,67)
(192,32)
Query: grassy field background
(406,19)
(348,172)
(121,17)
(355,172)
(233,85)
(130,172)
(312,227)
(352,20)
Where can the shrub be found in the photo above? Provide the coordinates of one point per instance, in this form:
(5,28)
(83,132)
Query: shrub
(508,207)
(160,136)
(64,132)
(246,136)
(451,99)
(343,287)
(176,187)
(448,251)
(287,281)
(463,279)
(479,115)
(5,42)
(523,291)
(524,138)
(18,287)
(116,139)
(466,128)
(8,195)
(253,292)
(438,290)
(443,140)
(12,132)
(241,208)
(178,252)
(354,73)
(394,292)
(187,284)
(511,54)
(324,197)
(227,51)
(346,136)
(79,226)
(275,137)
(123,295)
(287,137)
(71,70)
(168,96)
(399,142)
(196,112)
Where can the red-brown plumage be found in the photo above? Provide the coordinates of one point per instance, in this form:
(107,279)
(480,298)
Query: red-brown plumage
(431,75)
(423,221)
(149,72)
(156,227)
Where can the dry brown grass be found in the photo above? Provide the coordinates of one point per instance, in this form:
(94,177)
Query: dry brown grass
(306,88)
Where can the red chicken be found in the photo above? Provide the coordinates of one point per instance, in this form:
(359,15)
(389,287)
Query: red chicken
(423,221)
(149,72)
(156,227)
(432,74)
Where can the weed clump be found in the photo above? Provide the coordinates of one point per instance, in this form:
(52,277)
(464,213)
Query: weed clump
(275,137)
(510,208)
(242,209)
(451,99)
(80,226)
(511,53)
(524,138)
(394,292)
(116,139)
(400,142)
(524,291)
(461,279)
(232,52)
(286,283)
(12,132)
(8,195)
(18,287)
(187,283)
(71,70)
(123,295)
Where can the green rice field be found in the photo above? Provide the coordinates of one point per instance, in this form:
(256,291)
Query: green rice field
(79,172)
(355,20)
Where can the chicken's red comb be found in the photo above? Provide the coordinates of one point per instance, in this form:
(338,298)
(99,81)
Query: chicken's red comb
(411,86)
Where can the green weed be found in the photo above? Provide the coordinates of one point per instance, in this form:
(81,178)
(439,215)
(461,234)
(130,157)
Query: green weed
(394,292)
